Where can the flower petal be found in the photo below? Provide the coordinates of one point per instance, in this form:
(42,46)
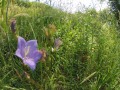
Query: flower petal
(18,53)
(20,48)
(32,45)
(36,56)
(21,42)
(30,62)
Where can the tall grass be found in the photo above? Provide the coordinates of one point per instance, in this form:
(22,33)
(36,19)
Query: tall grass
(88,59)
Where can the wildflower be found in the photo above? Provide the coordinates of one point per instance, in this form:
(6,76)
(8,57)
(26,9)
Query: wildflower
(57,43)
(28,52)
(50,30)
(12,26)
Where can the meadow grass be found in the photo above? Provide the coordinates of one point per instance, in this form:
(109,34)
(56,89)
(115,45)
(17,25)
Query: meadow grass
(88,58)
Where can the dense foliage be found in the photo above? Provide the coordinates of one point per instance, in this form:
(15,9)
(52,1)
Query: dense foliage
(88,58)
(115,8)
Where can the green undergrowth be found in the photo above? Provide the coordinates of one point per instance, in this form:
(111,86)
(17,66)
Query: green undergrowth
(88,58)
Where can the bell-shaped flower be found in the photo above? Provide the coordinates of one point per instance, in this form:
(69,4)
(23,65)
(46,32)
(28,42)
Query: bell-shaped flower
(13,25)
(28,52)
(57,43)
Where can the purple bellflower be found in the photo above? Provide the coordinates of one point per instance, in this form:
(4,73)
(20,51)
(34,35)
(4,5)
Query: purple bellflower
(57,43)
(13,24)
(28,52)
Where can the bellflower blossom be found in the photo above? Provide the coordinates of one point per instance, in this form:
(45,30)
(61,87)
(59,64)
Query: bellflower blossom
(13,24)
(57,43)
(28,52)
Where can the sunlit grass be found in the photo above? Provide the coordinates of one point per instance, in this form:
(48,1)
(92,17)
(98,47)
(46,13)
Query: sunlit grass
(88,58)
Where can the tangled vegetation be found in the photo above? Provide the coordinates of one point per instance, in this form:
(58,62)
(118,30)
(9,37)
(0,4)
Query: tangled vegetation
(87,56)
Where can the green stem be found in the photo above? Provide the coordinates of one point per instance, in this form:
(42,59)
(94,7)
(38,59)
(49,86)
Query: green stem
(7,12)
